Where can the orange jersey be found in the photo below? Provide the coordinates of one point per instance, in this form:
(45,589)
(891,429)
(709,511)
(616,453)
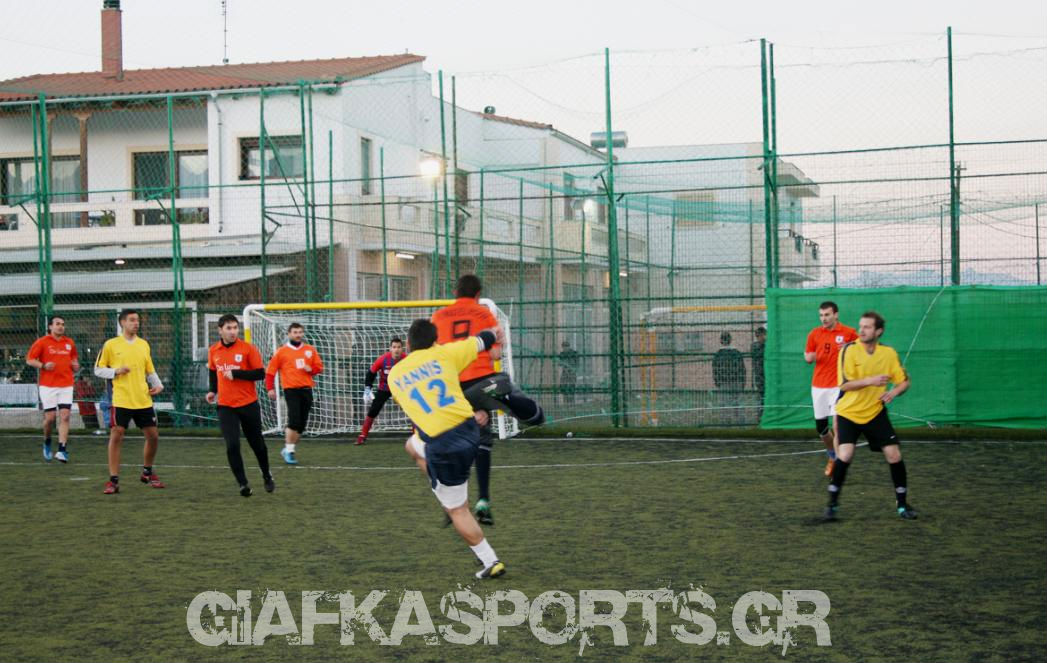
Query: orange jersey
(62,352)
(241,356)
(826,344)
(465,318)
(296,366)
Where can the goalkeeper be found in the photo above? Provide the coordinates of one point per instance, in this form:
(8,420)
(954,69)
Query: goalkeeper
(375,401)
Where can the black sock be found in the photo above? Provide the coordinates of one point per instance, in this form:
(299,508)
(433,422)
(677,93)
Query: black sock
(47,439)
(483,472)
(114,479)
(901,490)
(148,471)
(836,485)
(61,447)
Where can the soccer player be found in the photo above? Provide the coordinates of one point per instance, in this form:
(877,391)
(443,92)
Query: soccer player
(234,366)
(425,384)
(486,389)
(298,363)
(865,370)
(823,347)
(54,356)
(374,402)
(128,362)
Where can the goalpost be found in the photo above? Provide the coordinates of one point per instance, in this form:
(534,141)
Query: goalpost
(349,336)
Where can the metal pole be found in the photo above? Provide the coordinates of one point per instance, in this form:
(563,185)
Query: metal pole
(480,265)
(44,219)
(752,256)
(834,244)
(330,215)
(385,248)
(305,196)
(261,188)
(520,257)
(941,245)
(310,185)
(617,405)
(443,173)
(768,236)
(1036,209)
(176,264)
(436,244)
(454,152)
(954,194)
(43,266)
(774,169)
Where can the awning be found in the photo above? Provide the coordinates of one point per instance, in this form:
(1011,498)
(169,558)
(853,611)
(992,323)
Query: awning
(132,280)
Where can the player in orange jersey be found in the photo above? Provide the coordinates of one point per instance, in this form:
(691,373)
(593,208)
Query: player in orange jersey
(485,388)
(823,347)
(297,363)
(235,365)
(55,357)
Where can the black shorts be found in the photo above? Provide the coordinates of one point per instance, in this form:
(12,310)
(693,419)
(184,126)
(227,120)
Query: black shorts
(143,418)
(449,455)
(299,403)
(380,398)
(878,431)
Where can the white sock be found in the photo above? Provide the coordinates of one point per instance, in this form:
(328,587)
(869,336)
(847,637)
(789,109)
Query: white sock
(485,552)
(290,447)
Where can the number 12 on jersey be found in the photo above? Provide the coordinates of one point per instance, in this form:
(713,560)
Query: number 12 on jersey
(442,399)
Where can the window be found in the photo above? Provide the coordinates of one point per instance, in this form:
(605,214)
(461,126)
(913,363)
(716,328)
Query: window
(8,222)
(697,208)
(369,287)
(159,216)
(283,157)
(18,179)
(365,166)
(152,176)
(568,198)
(461,187)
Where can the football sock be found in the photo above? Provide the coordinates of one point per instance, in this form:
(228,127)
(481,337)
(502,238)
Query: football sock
(147,470)
(485,553)
(901,491)
(290,447)
(483,472)
(839,474)
(114,479)
(61,447)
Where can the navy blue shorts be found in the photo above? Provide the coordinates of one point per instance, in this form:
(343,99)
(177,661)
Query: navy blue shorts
(450,454)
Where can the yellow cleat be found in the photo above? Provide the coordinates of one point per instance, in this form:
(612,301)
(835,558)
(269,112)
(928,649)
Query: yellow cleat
(492,571)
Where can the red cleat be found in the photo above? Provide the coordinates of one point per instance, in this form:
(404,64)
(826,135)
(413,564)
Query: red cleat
(152,480)
(111,488)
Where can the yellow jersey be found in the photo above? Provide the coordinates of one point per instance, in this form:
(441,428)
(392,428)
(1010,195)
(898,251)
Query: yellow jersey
(130,390)
(425,384)
(854,363)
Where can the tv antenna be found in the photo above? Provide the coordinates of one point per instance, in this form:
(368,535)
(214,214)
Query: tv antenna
(225,34)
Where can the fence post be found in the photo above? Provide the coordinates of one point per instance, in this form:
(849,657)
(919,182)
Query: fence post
(261,190)
(954,192)
(619,415)
(768,233)
(176,267)
(385,248)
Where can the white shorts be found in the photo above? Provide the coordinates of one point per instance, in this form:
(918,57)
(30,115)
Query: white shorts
(449,497)
(53,397)
(824,401)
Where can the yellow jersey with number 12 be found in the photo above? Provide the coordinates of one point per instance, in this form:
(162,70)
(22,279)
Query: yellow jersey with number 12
(425,384)
(130,390)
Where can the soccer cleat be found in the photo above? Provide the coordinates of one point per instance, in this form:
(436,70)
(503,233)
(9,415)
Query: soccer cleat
(288,457)
(483,513)
(829,468)
(62,456)
(492,571)
(270,485)
(906,513)
(360,440)
(830,513)
(47,451)
(151,480)
(111,488)
(245,491)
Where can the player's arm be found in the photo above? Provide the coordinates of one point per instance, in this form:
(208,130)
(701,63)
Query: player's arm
(151,378)
(75,363)
(254,372)
(104,365)
(270,374)
(809,354)
(33,357)
(849,368)
(900,379)
(212,378)
(318,363)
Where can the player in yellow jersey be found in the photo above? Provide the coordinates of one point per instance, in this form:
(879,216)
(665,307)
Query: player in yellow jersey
(425,385)
(865,369)
(128,362)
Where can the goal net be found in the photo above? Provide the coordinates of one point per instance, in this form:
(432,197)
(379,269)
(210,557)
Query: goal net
(349,337)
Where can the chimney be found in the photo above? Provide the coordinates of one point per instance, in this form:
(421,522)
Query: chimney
(112,42)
